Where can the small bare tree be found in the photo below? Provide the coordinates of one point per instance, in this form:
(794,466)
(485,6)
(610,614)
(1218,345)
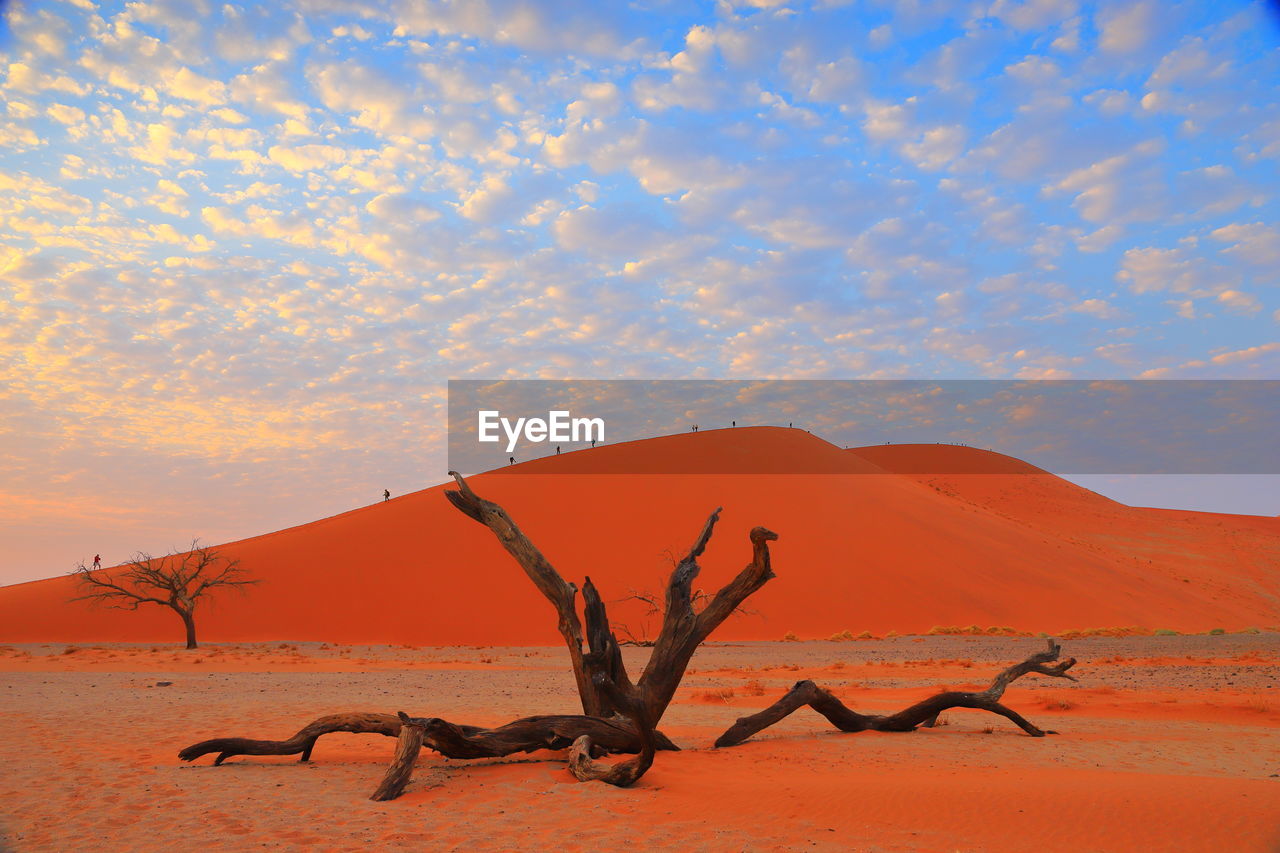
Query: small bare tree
(179,580)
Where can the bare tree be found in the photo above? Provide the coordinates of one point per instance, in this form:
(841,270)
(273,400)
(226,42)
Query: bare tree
(179,580)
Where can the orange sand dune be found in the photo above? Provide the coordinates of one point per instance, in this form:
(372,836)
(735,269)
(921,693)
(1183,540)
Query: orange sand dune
(863,547)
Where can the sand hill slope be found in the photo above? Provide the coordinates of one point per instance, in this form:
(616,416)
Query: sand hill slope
(872,543)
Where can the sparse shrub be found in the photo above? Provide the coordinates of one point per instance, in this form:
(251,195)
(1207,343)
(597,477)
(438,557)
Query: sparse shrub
(972,630)
(891,635)
(986,730)
(841,636)
(790,637)
(1166,632)
(753,688)
(720,694)
(1248,631)
(70,650)
(1214,632)
(1056,703)
(866,635)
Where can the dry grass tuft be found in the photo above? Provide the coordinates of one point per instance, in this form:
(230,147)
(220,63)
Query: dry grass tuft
(719,694)
(1056,703)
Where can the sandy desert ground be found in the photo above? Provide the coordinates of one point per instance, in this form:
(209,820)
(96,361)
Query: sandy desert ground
(1166,743)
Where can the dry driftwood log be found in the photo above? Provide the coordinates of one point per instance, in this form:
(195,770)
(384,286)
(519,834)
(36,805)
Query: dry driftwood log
(619,716)
(923,713)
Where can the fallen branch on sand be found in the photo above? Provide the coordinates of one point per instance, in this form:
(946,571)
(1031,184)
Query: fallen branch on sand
(923,713)
(619,716)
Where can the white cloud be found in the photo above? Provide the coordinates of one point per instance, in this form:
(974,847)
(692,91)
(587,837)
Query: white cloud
(491,200)
(1028,15)
(266,88)
(190,86)
(1127,28)
(1150,270)
(1256,243)
(1096,307)
(64,114)
(401,208)
(305,158)
(1245,303)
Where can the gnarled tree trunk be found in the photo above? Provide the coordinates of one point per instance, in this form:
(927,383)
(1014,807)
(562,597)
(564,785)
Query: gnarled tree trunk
(189,622)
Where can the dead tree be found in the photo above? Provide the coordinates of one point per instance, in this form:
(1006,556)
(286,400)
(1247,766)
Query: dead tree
(923,713)
(620,716)
(179,581)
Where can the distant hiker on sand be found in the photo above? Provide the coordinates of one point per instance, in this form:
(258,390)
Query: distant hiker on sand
(97,561)
(593,442)
(557,450)
(513,461)
(386,495)
(735,423)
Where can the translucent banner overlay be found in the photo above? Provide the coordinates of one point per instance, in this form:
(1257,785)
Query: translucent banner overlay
(1063,426)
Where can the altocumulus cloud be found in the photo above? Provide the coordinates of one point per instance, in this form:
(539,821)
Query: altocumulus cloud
(245,238)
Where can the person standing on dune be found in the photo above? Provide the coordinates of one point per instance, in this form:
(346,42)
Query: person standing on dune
(97,561)
(386,495)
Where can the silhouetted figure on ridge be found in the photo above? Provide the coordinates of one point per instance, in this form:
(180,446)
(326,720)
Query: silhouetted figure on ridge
(734,423)
(557,450)
(386,495)
(513,461)
(97,561)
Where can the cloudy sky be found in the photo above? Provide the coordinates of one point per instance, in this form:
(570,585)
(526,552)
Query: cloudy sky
(243,246)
